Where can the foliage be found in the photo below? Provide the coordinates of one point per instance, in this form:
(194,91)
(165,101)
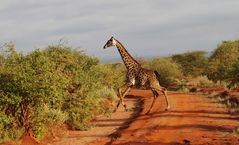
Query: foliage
(222,60)
(169,70)
(8,129)
(113,74)
(234,75)
(29,82)
(46,116)
(53,86)
(192,63)
(200,81)
(63,85)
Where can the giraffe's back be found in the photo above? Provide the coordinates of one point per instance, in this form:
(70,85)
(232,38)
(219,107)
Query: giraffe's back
(147,78)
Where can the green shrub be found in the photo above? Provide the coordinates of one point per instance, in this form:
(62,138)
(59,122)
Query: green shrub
(192,63)
(169,70)
(81,112)
(49,87)
(45,116)
(221,62)
(39,130)
(8,129)
(83,108)
(201,81)
(108,104)
(112,75)
(87,78)
(234,75)
(29,82)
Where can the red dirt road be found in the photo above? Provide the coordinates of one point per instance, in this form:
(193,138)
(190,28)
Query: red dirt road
(192,119)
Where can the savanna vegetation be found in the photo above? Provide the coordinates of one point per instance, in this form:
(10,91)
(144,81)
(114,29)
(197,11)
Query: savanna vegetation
(52,86)
(60,84)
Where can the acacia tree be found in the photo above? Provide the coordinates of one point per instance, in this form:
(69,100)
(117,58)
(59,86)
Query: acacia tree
(31,91)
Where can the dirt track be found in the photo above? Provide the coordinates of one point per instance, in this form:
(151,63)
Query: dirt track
(192,119)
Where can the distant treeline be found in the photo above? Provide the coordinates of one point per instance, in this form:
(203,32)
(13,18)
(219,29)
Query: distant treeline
(221,66)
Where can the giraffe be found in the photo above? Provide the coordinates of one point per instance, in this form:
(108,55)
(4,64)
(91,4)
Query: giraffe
(137,76)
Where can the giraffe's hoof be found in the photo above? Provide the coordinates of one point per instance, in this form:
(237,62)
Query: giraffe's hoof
(166,109)
(115,110)
(125,107)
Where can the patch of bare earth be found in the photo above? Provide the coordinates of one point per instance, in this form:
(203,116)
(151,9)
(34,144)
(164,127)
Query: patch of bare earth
(103,126)
(192,119)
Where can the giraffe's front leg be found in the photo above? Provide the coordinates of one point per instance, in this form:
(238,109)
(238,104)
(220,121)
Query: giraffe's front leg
(121,96)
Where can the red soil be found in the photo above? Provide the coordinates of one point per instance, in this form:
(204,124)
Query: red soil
(192,119)
(104,126)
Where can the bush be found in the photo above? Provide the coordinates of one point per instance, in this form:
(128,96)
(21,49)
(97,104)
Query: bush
(169,70)
(192,63)
(200,81)
(108,104)
(29,82)
(49,87)
(112,75)
(85,104)
(86,77)
(234,75)
(45,116)
(222,61)
(8,129)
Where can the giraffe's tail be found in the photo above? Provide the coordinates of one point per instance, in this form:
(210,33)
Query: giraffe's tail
(157,75)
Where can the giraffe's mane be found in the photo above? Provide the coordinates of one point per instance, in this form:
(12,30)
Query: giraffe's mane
(126,51)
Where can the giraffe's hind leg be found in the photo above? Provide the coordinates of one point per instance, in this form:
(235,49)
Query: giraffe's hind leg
(164,91)
(155,93)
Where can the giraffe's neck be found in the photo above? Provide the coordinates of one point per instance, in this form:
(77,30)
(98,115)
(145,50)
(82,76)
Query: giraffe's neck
(129,61)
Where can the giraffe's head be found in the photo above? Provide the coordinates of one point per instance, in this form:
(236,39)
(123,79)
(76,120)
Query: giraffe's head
(109,43)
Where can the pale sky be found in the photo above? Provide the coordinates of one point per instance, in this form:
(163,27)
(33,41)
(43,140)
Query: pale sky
(146,27)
